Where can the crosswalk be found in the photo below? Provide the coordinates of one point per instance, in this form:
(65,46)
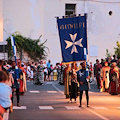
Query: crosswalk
(52,92)
(100,108)
(19,108)
(65,107)
(35,91)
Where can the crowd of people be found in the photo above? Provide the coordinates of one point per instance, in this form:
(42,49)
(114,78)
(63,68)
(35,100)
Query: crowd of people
(14,79)
(106,74)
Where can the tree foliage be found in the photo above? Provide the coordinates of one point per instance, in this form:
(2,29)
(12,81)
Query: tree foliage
(108,54)
(117,49)
(32,47)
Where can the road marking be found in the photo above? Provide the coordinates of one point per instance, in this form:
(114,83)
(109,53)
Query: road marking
(52,91)
(57,88)
(6,115)
(99,108)
(91,92)
(19,108)
(46,108)
(49,83)
(28,81)
(34,91)
(97,114)
(72,108)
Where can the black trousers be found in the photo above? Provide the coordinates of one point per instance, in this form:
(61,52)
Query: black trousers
(87,97)
(17,95)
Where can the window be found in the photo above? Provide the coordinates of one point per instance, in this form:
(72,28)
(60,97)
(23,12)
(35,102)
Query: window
(70,9)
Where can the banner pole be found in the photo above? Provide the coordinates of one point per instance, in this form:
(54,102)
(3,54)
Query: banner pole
(14,52)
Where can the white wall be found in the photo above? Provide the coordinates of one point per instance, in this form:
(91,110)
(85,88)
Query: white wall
(1,20)
(103,29)
(37,17)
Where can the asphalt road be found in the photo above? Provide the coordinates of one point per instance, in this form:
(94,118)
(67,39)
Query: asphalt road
(48,102)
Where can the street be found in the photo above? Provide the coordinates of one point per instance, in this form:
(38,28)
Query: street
(47,102)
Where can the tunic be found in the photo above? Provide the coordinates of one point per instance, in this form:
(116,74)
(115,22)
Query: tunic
(105,78)
(40,73)
(81,77)
(14,74)
(114,77)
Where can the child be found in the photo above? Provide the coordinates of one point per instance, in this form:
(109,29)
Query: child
(5,94)
(31,74)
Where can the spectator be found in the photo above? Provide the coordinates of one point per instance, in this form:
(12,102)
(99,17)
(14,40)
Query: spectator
(48,68)
(45,71)
(28,72)
(51,72)
(5,94)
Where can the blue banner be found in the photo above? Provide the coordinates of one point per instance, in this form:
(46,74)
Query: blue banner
(73,38)
(14,52)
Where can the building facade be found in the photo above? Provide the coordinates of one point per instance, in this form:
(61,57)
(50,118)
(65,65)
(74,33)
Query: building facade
(33,18)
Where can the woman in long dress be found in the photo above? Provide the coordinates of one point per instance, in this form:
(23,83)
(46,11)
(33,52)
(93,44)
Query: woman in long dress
(114,77)
(105,78)
(73,83)
(40,73)
(23,86)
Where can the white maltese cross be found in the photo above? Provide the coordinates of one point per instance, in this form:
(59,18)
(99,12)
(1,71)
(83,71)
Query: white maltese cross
(69,44)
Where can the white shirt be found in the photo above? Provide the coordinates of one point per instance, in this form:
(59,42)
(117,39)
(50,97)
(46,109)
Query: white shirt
(45,70)
(5,92)
(28,70)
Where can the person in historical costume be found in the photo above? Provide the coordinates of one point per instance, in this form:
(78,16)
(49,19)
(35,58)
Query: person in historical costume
(66,79)
(23,86)
(118,65)
(73,83)
(114,77)
(105,77)
(40,73)
(35,75)
(16,85)
(98,69)
(83,80)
